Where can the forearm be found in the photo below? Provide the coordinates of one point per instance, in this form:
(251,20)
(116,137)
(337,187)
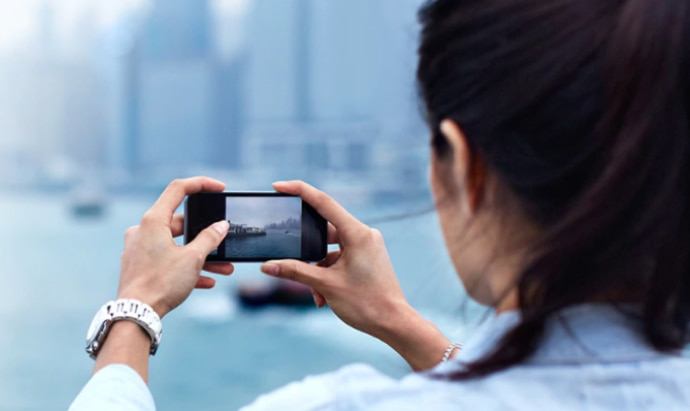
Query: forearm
(416,339)
(128,344)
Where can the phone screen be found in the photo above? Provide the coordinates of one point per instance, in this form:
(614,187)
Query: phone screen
(263,226)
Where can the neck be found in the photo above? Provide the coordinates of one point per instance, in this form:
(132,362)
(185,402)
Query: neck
(509,302)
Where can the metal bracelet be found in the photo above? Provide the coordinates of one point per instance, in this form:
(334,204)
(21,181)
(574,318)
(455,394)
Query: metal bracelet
(452,347)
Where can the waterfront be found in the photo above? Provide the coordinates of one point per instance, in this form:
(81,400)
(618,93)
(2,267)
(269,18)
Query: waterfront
(275,242)
(57,271)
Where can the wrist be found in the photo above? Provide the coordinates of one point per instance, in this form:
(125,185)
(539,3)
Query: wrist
(155,303)
(400,322)
(130,332)
(415,338)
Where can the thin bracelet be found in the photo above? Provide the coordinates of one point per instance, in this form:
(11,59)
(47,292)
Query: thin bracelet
(449,351)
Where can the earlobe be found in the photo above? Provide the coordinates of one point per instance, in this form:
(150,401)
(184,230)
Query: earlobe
(469,171)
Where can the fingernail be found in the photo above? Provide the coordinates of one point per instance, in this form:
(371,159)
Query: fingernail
(279,182)
(222,227)
(270,269)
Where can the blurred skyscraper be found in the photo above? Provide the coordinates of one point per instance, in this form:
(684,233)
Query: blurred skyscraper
(330,88)
(52,111)
(179,108)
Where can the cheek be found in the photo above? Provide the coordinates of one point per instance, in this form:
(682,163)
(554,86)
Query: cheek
(439,187)
(463,240)
(458,234)
(443,201)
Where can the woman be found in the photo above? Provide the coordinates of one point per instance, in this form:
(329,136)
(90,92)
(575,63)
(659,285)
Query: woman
(560,172)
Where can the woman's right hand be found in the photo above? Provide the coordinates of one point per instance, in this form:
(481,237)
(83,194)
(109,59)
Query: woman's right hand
(358,282)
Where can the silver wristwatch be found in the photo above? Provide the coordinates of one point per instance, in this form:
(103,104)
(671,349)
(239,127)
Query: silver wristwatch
(123,309)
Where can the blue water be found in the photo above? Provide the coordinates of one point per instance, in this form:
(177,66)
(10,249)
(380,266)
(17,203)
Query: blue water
(57,272)
(276,244)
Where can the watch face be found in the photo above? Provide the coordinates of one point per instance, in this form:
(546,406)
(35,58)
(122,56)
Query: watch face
(155,324)
(97,324)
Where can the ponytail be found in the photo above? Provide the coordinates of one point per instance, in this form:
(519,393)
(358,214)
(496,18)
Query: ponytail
(649,115)
(616,215)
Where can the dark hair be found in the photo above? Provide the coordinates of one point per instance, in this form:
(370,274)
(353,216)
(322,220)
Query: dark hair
(582,109)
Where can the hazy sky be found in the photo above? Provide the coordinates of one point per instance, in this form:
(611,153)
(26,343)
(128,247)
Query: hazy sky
(21,20)
(259,211)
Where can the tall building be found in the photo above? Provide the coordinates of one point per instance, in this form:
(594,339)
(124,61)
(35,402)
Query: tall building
(272,47)
(51,109)
(31,116)
(178,111)
(362,60)
(177,30)
(330,85)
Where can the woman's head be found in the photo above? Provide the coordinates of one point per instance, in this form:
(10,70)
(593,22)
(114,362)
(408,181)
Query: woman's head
(570,119)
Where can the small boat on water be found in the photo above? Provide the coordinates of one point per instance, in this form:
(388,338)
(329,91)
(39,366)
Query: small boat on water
(241,230)
(87,202)
(276,293)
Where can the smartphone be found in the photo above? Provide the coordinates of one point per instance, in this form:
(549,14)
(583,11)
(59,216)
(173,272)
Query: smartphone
(263,226)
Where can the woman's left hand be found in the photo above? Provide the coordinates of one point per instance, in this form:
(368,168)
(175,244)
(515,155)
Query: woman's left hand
(359,284)
(157,271)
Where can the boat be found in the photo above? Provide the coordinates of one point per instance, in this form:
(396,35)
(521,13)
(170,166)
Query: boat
(281,293)
(241,230)
(87,202)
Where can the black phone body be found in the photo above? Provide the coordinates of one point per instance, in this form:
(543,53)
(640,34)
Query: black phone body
(263,226)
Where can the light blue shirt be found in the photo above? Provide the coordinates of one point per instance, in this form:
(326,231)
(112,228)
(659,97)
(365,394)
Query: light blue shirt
(591,359)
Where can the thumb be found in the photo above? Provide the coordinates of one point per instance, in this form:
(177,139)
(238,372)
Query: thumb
(209,239)
(294,270)
(319,299)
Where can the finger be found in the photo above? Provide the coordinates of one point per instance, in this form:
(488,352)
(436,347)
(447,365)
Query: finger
(332,234)
(205,283)
(309,275)
(322,203)
(172,196)
(219,268)
(177,225)
(319,299)
(209,238)
(331,258)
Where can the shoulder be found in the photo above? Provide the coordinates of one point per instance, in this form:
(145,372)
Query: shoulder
(361,387)
(634,384)
(321,392)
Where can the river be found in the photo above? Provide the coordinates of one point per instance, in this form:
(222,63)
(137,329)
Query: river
(57,271)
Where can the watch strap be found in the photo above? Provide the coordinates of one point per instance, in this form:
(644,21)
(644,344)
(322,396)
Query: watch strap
(123,310)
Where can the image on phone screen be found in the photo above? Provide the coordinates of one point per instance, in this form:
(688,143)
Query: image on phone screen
(263,226)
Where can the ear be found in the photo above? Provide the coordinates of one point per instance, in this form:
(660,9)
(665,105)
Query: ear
(469,170)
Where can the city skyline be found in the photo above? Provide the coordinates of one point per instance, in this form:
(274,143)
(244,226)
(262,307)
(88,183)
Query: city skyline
(318,90)
(262,211)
